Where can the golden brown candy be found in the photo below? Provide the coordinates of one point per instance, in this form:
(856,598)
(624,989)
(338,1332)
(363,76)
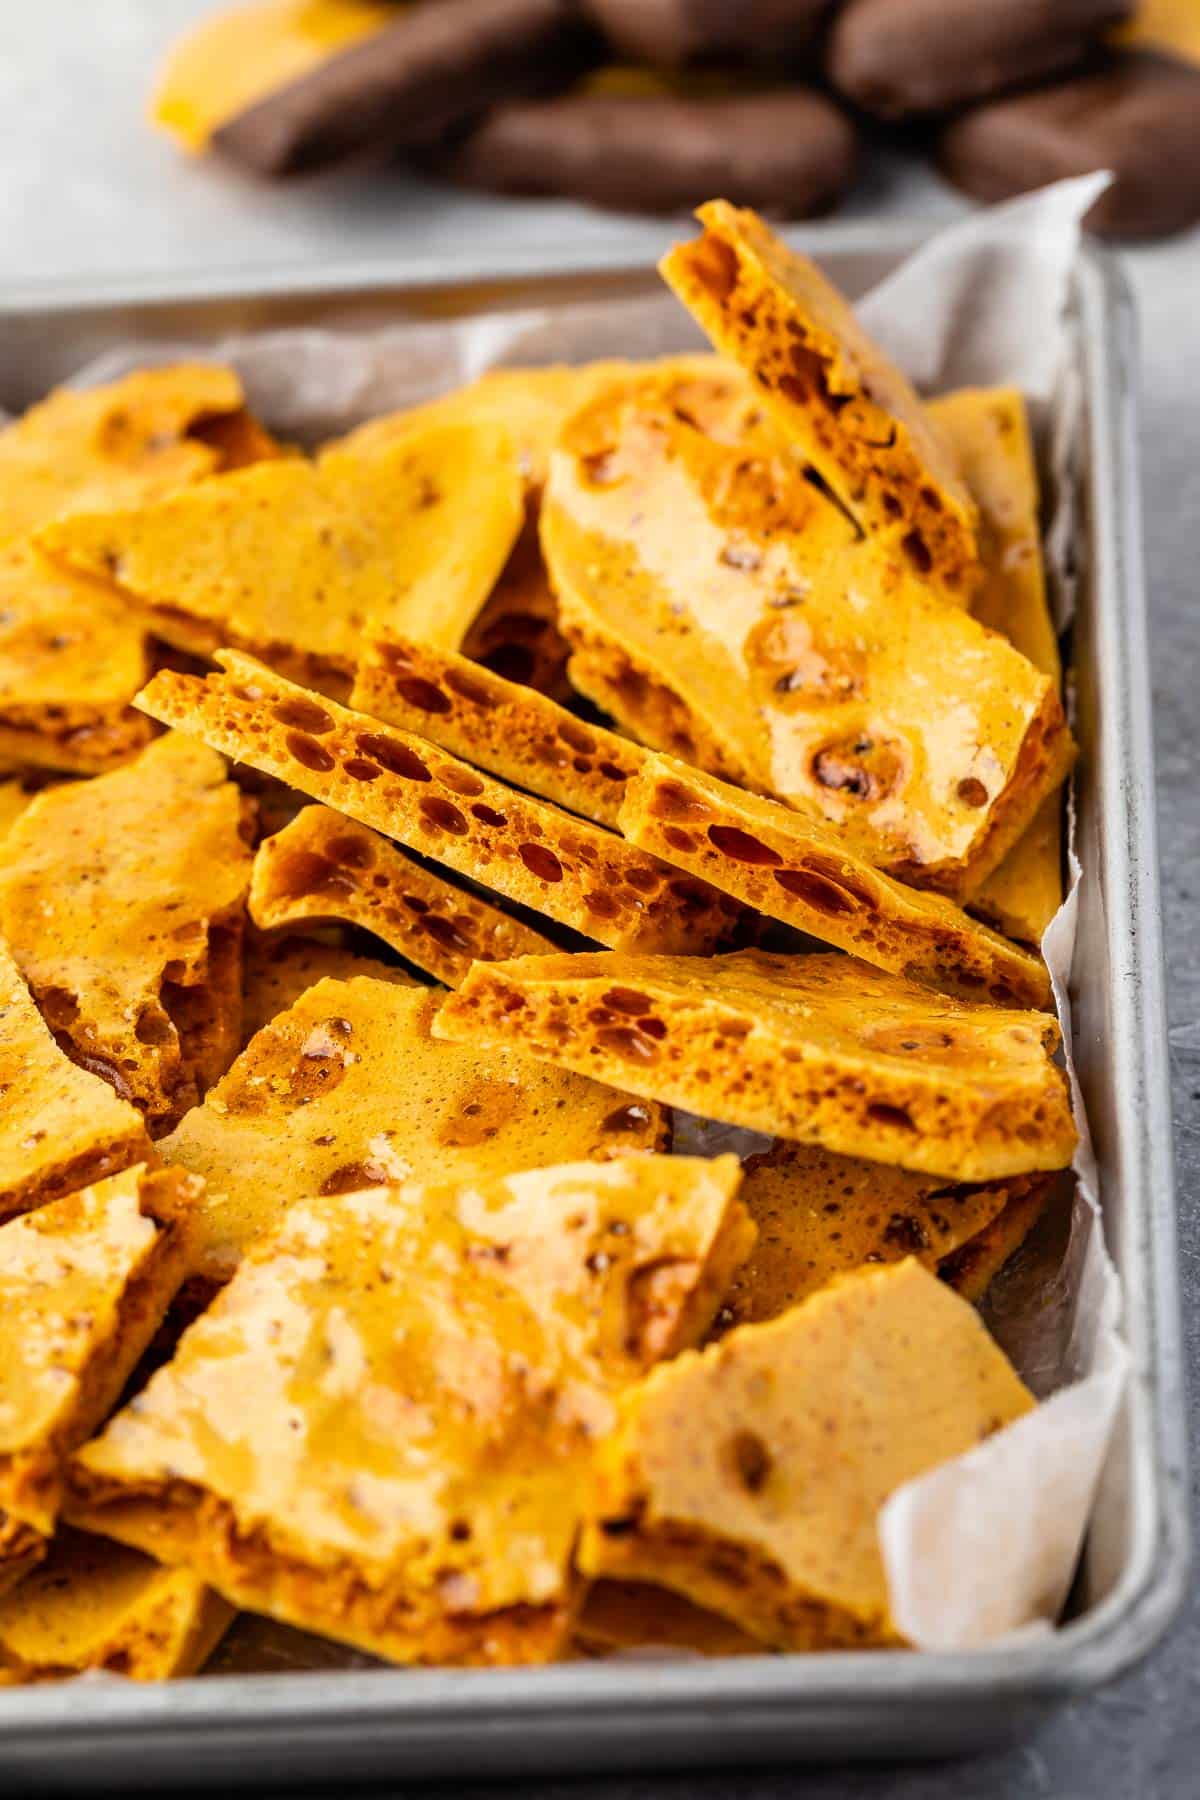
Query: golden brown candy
(293,560)
(400,785)
(799,871)
(326,867)
(94,1604)
(382,1428)
(750,1477)
(281,968)
(988,430)
(60,1126)
(84,1283)
(122,901)
(348,1089)
(820,1049)
(722,610)
(849,410)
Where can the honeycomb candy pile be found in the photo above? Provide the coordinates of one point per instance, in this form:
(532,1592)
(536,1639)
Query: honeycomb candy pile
(394,840)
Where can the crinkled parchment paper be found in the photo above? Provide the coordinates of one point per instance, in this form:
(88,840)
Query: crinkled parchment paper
(984,1546)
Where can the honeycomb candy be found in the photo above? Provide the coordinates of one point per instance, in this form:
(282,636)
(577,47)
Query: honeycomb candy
(819,1049)
(382,1428)
(293,559)
(326,867)
(242,54)
(528,851)
(70,664)
(736,625)
(348,1089)
(94,1604)
(820,1216)
(988,430)
(797,870)
(16,792)
(122,901)
(849,410)
(971,1269)
(629,1615)
(749,1477)
(279,969)
(84,1282)
(523,737)
(60,1126)
(515,633)
(119,445)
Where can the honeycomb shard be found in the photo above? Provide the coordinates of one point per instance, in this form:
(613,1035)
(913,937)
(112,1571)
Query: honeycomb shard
(522,737)
(820,1216)
(348,1089)
(749,1477)
(382,1428)
(847,407)
(820,1049)
(129,937)
(798,870)
(293,559)
(721,609)
(988,429)
(326,867)
(280,968)
(60,1125)
(524,849)
(93,1604)
(84,1283)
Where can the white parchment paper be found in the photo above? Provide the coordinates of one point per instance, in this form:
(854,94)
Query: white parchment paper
(986,1545)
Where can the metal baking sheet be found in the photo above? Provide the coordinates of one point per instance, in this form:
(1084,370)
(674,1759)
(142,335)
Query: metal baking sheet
(242,1729)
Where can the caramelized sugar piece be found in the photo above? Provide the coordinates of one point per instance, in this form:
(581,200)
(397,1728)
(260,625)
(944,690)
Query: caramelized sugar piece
(84,1284)
(750,1477)
(988,430)
(326,867)
(820,1216)
(294,560)
(60,1126)
(235,58)
(799,871)
(724,613)
(971,1269)
(118,445)
(381,1430)
(516,632)
(348,1088)
(398,784)
(631,1615)
(279,969)
(521,736)
(122,901)
(70,664)
(851,413)
(94,1604)
(820,1049)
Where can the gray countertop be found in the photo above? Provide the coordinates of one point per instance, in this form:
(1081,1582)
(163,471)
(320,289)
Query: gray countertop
(88,192)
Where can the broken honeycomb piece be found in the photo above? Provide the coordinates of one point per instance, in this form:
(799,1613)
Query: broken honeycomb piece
(397,783)
(845,405)
(84,1283)
(633,1615)
(735,623)
(293,559)
(820,1049)
(749,1477)
(799,871)
(382,1428)
(520,736)
(93,1604)
(988,429)
(324,866)
(278,969)
(122,902)
(60,1126)
(515,633)
(348,1089)
(820,1216)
